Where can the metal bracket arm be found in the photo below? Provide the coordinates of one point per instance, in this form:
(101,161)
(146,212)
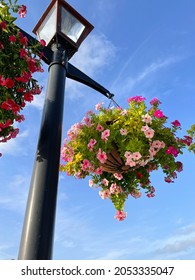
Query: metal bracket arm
(72,72)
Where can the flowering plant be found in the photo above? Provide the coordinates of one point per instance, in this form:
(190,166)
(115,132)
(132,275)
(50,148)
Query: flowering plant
(18,61)
(119,148)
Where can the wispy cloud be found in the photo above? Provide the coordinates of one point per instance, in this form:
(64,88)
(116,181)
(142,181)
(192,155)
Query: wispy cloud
(176,247)
(14,146)
(93,55)
(149,71)
(14,196)
(75,233)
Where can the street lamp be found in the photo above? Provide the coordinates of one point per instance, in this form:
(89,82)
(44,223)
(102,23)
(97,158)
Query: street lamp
(63,29)
(64,25)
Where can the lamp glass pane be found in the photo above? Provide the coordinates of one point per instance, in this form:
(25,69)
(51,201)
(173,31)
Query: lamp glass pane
(47,29)
(70,26)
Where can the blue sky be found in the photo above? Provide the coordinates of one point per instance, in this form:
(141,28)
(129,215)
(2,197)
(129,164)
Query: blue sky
(137,48)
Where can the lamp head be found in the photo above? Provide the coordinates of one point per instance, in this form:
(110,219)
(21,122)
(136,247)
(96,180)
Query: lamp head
(62,24)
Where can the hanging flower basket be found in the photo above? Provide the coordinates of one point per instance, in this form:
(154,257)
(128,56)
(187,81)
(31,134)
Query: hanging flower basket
(119,148)
(18,62)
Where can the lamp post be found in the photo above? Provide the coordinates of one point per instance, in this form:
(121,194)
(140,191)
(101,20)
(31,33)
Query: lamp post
(63,29)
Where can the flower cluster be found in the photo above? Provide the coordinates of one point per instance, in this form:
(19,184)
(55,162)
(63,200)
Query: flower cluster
(119,148)
(18,62)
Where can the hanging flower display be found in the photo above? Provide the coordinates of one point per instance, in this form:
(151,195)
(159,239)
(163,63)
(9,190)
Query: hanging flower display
(19,60)
(119,149)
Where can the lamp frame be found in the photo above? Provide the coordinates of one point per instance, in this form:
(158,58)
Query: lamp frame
(60,37)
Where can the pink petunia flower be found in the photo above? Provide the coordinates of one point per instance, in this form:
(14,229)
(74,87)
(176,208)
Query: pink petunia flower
(120,215)
(137,99)
(98,171)
(101,156)
(149,133)
(104,194)
(105,182)
(85,165)
(147,119)
(155,101)
(168,180)
(91,144)
(173,151)
(176,123)
(136,194)
(123,131)
(105,135)
(98,106)
(130,162)
(136,156)
(159,114)
(118,176)
(99,127)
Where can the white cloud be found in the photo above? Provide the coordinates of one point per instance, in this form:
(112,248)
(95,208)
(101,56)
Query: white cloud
(14,196)
(92,57)
(14,146)
(149,70)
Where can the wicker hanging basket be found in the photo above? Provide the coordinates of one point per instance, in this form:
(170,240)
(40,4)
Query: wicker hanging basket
(115,164)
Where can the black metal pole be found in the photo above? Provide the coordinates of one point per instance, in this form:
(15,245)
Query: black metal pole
(38,229)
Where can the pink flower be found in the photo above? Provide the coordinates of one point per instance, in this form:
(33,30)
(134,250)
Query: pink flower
(123,131)
(128,155)
(91,144)
(173,151)
(98,106)
(87,121)
(105,135)
(22,11)
(118,176)
(152,152)
(101,156)
(136,156)
(130,162)
(159,114)
(147,118)
(98,171)
(120,215)
(155,101)
(168,180)
(176,123)
(104,194)
(137,99)
(156,144)
(136,194)
(99,127)
(150,195)
(149,133)
(85,165)
(105,182)
(114,189)
(187,140)
(145,128)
